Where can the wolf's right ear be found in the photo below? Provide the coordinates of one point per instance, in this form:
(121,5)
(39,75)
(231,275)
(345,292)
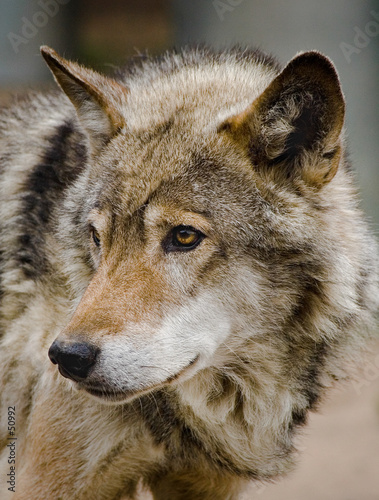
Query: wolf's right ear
(292,131)
(98,99)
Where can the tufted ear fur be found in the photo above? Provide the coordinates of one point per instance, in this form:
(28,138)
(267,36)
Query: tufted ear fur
(98,100)
(293,129)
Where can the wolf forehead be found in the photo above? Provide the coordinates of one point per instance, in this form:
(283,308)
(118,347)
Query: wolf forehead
(197,97)
(217,184)
(170,127)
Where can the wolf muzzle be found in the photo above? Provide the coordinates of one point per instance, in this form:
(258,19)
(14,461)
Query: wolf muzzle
(74,360)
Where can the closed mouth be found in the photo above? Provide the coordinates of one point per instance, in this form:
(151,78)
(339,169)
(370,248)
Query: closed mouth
(115,395)
(108,394)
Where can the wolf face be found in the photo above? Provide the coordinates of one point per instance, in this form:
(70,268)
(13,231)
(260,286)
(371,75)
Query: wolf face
(187,207)
(156,307)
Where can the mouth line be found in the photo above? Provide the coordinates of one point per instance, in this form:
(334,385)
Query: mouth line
(110,394)
(171,378)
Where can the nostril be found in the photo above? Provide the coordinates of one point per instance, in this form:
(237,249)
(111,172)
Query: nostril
(74,360)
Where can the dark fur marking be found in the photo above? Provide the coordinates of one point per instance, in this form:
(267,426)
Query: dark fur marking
(160,412)
(303,137)
(59,167)
(308,381)
(329,155)
(311,294)
(299,418)
(159,415)
(311,376)
(146,137)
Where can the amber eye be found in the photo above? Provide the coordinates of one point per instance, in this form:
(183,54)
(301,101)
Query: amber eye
(95,236)
(183,238)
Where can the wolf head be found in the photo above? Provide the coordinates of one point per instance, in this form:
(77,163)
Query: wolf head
(216,220)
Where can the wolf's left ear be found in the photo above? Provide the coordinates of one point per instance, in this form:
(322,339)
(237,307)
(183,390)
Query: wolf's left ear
(98,99)
(293,129)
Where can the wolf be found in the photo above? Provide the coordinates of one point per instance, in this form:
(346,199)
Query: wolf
(185,271)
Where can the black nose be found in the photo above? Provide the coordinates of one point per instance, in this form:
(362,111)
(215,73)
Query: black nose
(74,360)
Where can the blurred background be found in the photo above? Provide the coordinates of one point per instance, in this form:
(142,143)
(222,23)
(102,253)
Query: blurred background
(340,459)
